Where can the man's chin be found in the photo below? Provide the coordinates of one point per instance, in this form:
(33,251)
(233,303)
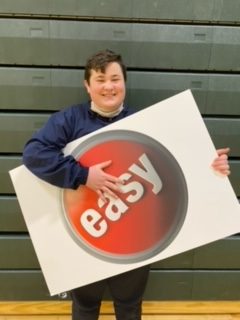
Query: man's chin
(109,107)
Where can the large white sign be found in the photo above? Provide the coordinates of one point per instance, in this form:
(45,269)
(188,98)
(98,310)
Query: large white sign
(172,200)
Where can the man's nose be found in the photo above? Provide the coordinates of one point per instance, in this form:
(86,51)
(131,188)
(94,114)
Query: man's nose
(108,85)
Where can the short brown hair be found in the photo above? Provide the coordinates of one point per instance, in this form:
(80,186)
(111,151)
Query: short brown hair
(100,60)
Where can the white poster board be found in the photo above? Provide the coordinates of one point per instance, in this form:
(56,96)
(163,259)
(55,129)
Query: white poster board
(172,199)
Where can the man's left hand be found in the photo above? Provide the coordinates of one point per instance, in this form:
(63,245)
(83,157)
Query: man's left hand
(220,163)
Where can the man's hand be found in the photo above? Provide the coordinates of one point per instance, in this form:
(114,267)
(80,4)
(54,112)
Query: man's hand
(220,164)
(102,182)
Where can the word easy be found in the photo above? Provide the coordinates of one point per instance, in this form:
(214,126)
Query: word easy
(96,224)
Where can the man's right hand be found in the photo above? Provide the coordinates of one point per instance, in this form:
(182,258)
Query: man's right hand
(102,182)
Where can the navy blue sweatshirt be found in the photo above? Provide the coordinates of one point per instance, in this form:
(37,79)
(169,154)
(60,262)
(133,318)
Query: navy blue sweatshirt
(43,155)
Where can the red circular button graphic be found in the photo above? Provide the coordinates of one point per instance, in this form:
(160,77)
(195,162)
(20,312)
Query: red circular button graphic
(150,210)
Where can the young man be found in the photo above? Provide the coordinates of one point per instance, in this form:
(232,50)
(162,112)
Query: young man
(105,78)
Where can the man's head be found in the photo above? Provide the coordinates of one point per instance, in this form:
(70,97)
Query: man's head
(99,62)
(105,77)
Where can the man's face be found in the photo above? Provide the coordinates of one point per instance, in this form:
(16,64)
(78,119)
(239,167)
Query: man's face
(107,90)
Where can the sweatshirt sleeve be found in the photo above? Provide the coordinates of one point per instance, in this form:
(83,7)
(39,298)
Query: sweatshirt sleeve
(43,155)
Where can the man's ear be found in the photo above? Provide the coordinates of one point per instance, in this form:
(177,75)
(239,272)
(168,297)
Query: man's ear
(86,85)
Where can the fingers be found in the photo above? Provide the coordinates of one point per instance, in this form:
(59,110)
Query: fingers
(101,196)
(222,169)
(109,180)
(103,183)
(104,164)
(109,177)
(109,189)
(115,180)
(106,194)
(220,164)
(223,151)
